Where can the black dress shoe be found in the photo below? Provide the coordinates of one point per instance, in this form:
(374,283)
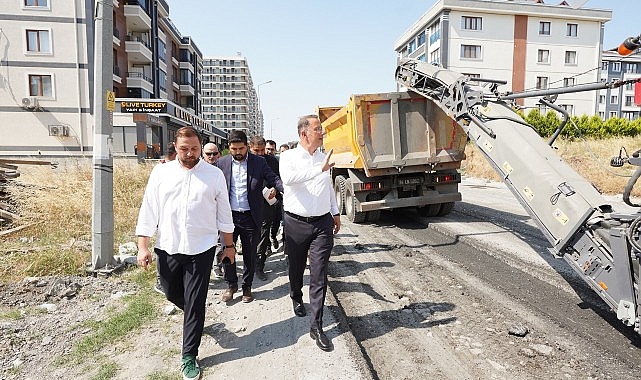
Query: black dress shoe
(321,339)
(299,308)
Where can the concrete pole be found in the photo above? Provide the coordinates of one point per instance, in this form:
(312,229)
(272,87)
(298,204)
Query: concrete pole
(102,253)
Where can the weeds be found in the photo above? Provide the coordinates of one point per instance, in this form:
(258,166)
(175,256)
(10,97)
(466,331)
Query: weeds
(140,310)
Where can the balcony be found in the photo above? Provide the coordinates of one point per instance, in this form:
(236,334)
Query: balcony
(187,89)
(116,73)
(138,50)
(137,19)
(116,38)
(140,80)
(188,66)
(163,8)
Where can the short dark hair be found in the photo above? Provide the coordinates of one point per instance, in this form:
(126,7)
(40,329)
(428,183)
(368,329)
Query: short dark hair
(237,136)
(257,140)
(284,145)
(270,142)
(171,149)
(303,122)
(188,132)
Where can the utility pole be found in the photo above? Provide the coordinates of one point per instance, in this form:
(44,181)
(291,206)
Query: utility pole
(102,223)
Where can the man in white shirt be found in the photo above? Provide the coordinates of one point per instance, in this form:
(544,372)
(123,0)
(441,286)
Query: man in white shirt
(311,218)
(186,205)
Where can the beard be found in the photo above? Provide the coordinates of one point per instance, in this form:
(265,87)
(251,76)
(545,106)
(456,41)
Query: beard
(238,157)
(188,162)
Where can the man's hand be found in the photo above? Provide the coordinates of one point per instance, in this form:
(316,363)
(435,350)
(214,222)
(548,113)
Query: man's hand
(272,193)
(144,257)
(337,224)
(326,163)
(229,253)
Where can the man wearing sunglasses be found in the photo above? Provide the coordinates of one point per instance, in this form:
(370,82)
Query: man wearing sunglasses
(211,153)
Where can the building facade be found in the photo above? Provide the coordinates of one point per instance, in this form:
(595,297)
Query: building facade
(47,70)
(619,102)
(529,44)
(229,98)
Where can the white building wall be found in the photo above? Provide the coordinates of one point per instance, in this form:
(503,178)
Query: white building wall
(586,46)
(495,39)
(27,131)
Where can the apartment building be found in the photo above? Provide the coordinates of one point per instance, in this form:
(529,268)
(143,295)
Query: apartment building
(47,69)
(619,102)
(229,98)
(531,44)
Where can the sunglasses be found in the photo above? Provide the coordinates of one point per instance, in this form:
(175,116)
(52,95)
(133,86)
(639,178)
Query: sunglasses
(212,153)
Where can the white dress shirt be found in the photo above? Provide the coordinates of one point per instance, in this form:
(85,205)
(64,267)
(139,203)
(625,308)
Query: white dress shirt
(238,185)
(186,208)
(308,191)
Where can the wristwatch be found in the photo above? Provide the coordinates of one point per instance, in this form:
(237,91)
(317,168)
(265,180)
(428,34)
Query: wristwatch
(230,246)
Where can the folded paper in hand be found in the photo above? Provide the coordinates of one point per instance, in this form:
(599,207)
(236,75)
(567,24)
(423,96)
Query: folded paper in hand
(266,192)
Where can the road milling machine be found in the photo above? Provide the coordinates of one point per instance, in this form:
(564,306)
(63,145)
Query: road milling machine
(601,244)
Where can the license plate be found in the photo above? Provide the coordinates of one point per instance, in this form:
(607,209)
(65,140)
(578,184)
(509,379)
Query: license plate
(409,181)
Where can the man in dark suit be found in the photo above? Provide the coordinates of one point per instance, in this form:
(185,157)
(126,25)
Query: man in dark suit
(258,146)
(246,175)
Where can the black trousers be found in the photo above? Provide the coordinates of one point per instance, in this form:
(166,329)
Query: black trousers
(316,238)
(277,217)
(264,243)
(185,279)
(249,233)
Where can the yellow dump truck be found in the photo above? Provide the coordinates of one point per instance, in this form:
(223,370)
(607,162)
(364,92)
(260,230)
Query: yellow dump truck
(393,150)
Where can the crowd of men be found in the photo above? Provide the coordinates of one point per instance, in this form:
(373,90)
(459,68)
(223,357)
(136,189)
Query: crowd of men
(199,204)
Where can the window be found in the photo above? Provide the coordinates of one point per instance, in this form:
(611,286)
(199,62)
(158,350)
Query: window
(614,99)
(601,99)
(420,40)
(602,115)
(631,68)
(571,30)
(435,32)
(569,108)
(472,23)
(544,28)
(570,57)
(40,85)
(38,41)
(616,66)
(435,57)
(629,101)
(411,47)
(604,66)
(421,58)
(629,116)
(614,114)
(543,109)
(472,75)
(568,82)
(629,86)
(543,56)
(37,3)
(471,51)
(541,83)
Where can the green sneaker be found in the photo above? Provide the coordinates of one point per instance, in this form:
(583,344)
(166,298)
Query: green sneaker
(190,368)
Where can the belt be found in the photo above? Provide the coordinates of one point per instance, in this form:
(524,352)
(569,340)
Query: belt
(307,219)
(241,212)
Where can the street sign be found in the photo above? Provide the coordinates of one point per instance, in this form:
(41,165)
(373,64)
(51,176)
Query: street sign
(111,101)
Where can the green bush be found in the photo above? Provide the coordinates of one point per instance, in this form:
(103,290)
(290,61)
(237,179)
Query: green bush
(582,126)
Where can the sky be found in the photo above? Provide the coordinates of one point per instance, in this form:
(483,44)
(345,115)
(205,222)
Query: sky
(318,53)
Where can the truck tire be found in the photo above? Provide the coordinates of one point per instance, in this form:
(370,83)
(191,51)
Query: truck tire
(445,208)
(350,204)
(429,210)
(339,192)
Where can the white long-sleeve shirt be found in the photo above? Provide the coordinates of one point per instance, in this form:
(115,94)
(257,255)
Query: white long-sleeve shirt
(186,208)
(308,191)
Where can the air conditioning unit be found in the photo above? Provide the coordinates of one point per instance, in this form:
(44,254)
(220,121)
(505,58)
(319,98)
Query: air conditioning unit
(30,103)
(59,130)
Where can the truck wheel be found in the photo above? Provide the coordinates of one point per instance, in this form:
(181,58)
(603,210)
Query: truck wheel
(339,192)
(429,210)
(350,204)
(445,208)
